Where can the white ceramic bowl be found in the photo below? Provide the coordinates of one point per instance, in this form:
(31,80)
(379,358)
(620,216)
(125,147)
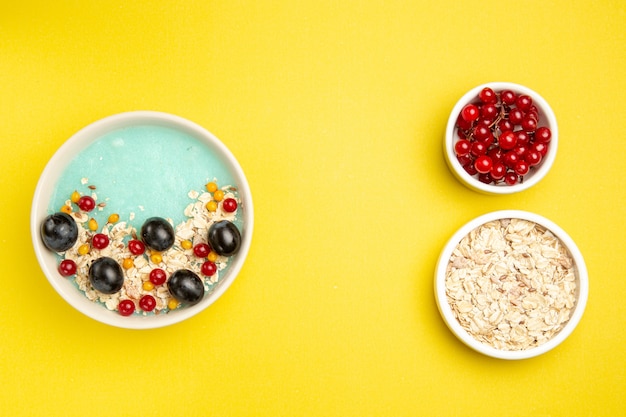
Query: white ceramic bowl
(54,169)
(546,118)
(454,325)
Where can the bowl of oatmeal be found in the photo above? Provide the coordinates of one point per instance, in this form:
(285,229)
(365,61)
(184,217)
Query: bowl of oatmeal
(501,138)
(142,219)
(511,284)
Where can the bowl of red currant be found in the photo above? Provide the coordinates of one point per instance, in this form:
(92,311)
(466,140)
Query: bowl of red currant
(501,138)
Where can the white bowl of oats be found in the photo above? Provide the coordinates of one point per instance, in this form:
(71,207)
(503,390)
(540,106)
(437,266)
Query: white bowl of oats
(142,219)
(511,284)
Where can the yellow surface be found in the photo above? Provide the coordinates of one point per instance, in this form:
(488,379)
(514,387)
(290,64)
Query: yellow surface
(336,111)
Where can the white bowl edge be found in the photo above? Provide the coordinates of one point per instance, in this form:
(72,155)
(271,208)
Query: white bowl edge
(452,322)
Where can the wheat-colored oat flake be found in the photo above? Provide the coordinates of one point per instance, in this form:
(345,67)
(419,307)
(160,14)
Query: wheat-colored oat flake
(196,227)
(511,284)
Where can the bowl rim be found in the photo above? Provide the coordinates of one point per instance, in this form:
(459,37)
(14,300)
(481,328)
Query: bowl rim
(539,173)
(79,141)
(453,324)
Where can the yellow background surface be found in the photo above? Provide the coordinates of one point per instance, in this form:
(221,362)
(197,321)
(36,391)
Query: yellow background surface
(336,111)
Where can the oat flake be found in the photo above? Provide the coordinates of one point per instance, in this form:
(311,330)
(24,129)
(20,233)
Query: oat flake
(511,284)
(195,228)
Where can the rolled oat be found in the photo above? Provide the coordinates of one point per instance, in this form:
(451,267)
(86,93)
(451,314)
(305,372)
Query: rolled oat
(195,228)
(511,284)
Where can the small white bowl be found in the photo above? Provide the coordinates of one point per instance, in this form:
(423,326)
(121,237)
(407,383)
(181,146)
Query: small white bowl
(54,169)
(546,118)
(454,325)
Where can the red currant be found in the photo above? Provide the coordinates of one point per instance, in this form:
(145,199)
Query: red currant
(484,122)
(503,141)
(533,157)
(521,167)
(67,267)
(485,178)
(529,124)
(126,307)
(540,147)
(487,95)
(482,132)
(510,159)
(208,268)
(136,247)
(516,116)
(504,125)
(523,102)
(522,137)
(462,123)
(470,113)
(86,203)
(489,140)
(157,276)
(543,134)
(498,170)
(470,169)
(489,111)
(229,205)
(496,154)
(478,148)
(508,97)
(507,140)
(462,147)
(483,164)
(201,250)
(147,302)
(464,159)
(521,150)
(510,178)
(100,241)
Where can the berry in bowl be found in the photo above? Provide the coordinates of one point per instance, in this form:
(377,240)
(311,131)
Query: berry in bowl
(511,284)
(142,220)
(501,138)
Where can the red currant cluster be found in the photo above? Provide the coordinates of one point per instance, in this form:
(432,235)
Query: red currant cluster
(499,137)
